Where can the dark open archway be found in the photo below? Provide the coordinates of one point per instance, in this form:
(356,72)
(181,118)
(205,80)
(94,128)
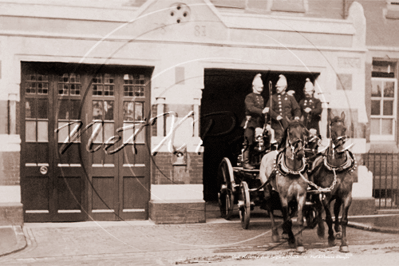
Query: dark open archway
(222,110)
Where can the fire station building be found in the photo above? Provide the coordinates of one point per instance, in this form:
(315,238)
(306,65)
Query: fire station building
(119,110)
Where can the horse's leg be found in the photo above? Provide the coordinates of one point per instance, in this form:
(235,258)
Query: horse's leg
(301,200)
(284,234)
(269,208)
(337,207)
(329,221)
(320,222)
(287,225)
(275,236)
(344,222)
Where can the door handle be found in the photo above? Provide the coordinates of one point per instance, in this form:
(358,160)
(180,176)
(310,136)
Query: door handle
(43,169)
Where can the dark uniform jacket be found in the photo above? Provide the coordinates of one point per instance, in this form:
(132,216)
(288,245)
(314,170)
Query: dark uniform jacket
(312,119)
(284,105)
(254,105)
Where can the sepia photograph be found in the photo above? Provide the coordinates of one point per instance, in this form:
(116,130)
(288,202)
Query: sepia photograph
(199,132)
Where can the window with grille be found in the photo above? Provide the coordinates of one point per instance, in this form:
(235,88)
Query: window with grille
(36,108)
(383,101)
(133,108)
(68,106)
(383,108)
(103,107)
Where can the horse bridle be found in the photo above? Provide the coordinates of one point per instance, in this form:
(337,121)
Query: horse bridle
(338,141)
(294,146)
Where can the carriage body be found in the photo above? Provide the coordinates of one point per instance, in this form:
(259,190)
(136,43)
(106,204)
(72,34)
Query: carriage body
(261,146)
(242,187)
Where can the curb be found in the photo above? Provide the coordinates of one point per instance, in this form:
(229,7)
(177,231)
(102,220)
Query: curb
(373,228)
(21,242)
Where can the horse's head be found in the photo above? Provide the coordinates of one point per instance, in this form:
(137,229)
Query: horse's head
(338,132)
(296,136)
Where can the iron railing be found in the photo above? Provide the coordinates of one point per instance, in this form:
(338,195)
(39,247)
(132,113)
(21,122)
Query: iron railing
(384,167)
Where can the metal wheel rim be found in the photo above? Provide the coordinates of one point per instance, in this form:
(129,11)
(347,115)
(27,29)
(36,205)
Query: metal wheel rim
(245,211)
(229,204)
(228,173)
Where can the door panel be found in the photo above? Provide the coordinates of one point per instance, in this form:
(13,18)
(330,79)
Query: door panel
(134,170)
(71,122)
(104,167)
(36,181)
(68,194)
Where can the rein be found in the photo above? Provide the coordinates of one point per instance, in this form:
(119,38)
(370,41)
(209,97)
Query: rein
(321,189)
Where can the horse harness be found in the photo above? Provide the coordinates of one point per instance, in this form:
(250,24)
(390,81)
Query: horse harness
(350,165)
(281,168)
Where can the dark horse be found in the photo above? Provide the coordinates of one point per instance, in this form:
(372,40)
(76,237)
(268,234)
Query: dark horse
(335,171)
(287,173)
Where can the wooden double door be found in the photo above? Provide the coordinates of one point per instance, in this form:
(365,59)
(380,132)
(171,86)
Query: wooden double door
(84,142)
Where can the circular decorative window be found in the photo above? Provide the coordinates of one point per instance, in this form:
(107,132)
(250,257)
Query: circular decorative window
(179,13)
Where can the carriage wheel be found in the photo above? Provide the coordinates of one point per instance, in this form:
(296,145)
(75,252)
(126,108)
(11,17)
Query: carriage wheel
(227,187)
(226,203)
(245,209)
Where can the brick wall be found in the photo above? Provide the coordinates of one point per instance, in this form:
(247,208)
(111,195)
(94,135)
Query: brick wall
(154,114)
(195,166)
(164,172)
(177,212)
(162,168)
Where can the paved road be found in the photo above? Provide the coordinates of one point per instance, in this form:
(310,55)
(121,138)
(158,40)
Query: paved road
(217,242)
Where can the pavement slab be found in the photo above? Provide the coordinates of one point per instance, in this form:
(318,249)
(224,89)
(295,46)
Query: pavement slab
(217,241)
(12,240)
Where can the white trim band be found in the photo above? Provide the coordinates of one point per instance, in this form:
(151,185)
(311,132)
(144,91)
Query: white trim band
(133,210)
(37,211)
(102,211)
(133,165)
(103,165)
(69,211)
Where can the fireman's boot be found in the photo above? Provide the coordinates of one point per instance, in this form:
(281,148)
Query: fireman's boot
(245,158)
